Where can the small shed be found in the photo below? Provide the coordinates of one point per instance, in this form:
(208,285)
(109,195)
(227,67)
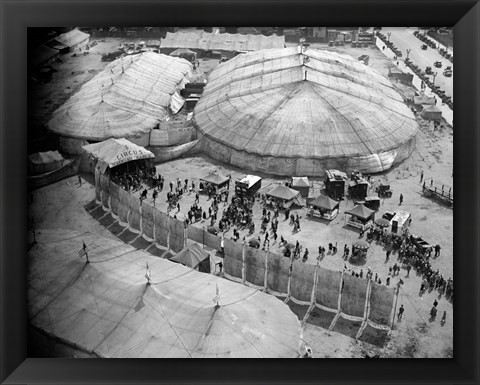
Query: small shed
(432,113)
(215,183)
(285,196)
(43,162)
(361,217)
(302,185)
(195,257)
(325,206)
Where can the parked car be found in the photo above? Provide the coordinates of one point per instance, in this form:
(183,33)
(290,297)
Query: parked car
(428,70)
(424,47)
(438,64)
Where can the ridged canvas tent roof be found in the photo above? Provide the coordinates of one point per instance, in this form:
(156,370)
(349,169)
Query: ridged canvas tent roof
(215,179)
(221,41)
(117,151)
(315,104)
(192,256)
(324,202)
(283,192)
(301,181)
(69,39)
(361,211)
(128,98)
(106,307)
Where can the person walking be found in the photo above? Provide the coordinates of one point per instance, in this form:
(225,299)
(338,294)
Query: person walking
(444,317)
(79,180)
(408,270)
(421,176)
(400,313)
(401,199)
(178,207)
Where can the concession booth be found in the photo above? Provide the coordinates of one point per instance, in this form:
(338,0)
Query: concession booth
(360,217)
(323,207)
(215,183)
(284,197)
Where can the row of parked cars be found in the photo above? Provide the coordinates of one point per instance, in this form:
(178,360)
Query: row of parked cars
(389,44)
(424,76)
(430,43)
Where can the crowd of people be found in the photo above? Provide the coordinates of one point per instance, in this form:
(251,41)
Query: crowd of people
(239,215)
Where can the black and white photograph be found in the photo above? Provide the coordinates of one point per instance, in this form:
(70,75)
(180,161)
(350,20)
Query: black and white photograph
(240,192)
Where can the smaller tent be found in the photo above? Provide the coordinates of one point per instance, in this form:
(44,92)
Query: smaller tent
(195,257)
(361,216)
(43,162)
(327,207)
(286,196)
(217,184)
(302,185)
(432,113)
(69,41)
(114,152)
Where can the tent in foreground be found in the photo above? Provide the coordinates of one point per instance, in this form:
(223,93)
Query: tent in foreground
(106,307)
(195,257)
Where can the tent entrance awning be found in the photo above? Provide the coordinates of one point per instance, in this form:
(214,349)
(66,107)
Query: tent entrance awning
(115,152)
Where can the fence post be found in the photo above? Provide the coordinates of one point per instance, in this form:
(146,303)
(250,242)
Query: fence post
(243,262)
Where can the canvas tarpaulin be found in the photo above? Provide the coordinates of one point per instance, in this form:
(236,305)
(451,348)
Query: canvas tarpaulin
(277,273)
(381,304)
(195,257)
(176,240)
(123,205)
(134,217)
(114,198)
(353,295)
(161,228)
(148,220)
(114,152)
(272,103)
(233,260)
(212,241)
(105,306)
(43,162)
(255,266)
(328,288)
(301,284)
(128,98)
(195,234)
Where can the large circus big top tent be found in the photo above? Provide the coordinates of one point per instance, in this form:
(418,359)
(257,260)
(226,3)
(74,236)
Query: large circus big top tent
(295,111)
(128,98)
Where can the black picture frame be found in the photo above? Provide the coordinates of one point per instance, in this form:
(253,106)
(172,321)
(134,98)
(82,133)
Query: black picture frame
(16,16)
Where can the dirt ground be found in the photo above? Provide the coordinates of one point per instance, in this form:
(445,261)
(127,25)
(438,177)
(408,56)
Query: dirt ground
(61,206)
